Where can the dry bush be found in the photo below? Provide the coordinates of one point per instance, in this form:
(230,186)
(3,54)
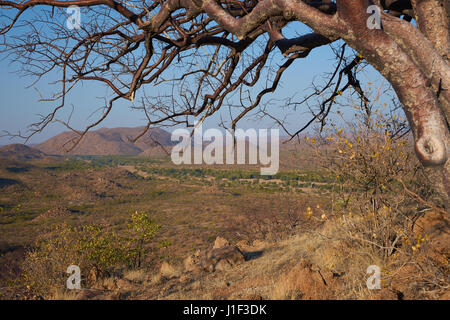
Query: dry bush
(380,192)
(136,275)
(276,217)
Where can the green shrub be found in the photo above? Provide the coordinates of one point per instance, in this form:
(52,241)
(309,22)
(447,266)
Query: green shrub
(141,229)
(87,246)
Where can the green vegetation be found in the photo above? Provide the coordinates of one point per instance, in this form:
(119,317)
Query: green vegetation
(230,174)
(87,246)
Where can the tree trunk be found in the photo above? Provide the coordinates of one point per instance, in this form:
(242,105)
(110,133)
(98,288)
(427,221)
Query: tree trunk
(409,69)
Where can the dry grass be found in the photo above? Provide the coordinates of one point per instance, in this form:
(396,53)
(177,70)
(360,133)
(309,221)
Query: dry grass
(62,294)
(139,275)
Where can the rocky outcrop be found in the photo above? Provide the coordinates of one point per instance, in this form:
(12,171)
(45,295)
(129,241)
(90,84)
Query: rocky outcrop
(56,212)
(222,256)
(220,243)
(168,271)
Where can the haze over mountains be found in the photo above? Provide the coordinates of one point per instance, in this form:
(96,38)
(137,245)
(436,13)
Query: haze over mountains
(109,141)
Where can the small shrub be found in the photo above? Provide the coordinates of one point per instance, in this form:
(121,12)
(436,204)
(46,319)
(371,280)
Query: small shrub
(87,246)
(141,229)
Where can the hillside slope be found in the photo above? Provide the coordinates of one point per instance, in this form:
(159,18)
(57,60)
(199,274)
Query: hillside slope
(107,141)
(20,152)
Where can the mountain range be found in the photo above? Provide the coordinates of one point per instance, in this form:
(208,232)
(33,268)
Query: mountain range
(104,141)
(108,141)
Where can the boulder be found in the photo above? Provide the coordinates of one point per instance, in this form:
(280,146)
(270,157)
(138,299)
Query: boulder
(243,244)
(167,271)
(124,285)
(221,258)
(259,244)
(192,264)
(306,281)
(87,294)
(220,243)
(55,212)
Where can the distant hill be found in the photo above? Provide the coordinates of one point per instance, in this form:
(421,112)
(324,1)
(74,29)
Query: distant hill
(108,141)
(20,152)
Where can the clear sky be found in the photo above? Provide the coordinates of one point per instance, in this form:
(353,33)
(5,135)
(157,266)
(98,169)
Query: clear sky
(19,105)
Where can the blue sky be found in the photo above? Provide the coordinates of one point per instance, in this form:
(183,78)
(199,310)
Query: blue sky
(19,105)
